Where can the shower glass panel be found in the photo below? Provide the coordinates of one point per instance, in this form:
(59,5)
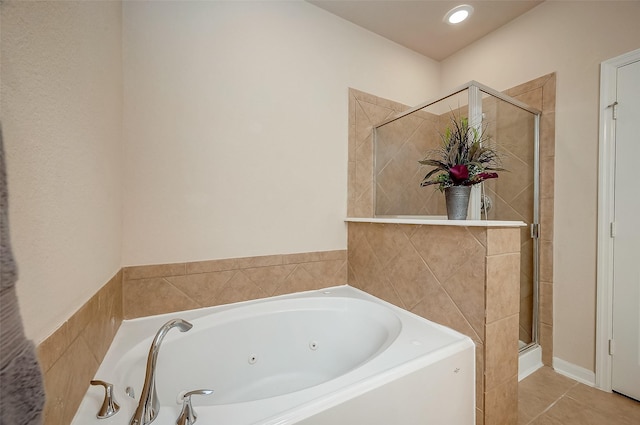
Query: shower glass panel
(399,144)
(513,127)
(513,195)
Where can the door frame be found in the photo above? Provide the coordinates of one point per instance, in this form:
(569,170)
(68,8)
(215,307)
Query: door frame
(606,186)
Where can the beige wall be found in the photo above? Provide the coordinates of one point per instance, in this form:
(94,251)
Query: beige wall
(234,129)
(572,39)
(61,117)
(236,125)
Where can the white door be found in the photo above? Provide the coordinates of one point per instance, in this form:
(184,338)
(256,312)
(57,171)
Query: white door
(625,373)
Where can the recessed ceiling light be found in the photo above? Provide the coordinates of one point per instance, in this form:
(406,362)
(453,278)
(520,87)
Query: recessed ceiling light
(458,14)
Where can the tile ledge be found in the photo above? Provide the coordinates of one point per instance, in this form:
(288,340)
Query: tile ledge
(434,221)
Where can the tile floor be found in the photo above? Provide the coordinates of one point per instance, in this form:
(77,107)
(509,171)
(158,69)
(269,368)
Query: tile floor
(548,398)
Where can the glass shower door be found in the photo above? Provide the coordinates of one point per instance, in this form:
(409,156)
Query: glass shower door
(513,196)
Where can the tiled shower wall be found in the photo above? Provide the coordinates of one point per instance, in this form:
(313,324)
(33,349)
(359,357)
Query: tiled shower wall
(541,94)
(512,194)
(71,356)
(400,144)
(366,110)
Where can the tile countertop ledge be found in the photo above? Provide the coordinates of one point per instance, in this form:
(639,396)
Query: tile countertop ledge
(435,221)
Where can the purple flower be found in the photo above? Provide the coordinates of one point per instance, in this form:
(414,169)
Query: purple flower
(459,173)
(486,176)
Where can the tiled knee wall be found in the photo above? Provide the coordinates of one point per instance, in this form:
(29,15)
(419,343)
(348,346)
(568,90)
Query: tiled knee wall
(175,287)
(71,355)
(466,278)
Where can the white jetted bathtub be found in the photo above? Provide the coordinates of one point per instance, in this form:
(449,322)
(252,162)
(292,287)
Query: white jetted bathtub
(333,356)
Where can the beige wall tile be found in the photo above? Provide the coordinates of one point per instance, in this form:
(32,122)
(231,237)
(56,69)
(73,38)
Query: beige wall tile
(107,317)
(351,184)
(382,289)
(549,94)
(364,167)
(503,286)
(98,320)
(546,342)
(546,261)
(202,288)
(260,261)
(529,85)
(501,403)
(363,96)
(546,218)
(526,264)
(501,351)
(526,319)
(547,138)
(50,350)
(324,273)
(146,297)
(503,240)
(208,283)
(523,203)
(210,266)
(547,180)
(70,356)
(156,270)
(239,288)
(546,303)
(480,234)
(437,243)
(67,381)
(308,257)
(269,278)
(404,278)
(364,204)
(519,177)
(479,375)
(298,281)
(532,98)
(466,287)
(410,276)
(362,127)
(479,416)
(441,309)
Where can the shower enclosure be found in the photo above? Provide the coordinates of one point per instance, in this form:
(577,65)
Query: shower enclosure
(513,127)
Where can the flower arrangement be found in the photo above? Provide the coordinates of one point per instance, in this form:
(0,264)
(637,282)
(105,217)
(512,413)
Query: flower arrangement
(464,159)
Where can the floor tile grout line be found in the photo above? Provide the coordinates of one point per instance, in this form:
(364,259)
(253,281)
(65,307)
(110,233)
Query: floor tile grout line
(553,404)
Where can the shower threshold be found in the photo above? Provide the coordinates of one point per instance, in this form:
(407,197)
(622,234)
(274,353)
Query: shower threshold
(529,360)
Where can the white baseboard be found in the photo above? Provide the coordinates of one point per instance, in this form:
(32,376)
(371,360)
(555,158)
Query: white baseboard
(529,361)
(574,372)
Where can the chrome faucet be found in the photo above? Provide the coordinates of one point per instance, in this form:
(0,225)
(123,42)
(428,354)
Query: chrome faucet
(149,405)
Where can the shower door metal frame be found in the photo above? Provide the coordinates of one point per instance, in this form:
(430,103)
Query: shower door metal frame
(475,110)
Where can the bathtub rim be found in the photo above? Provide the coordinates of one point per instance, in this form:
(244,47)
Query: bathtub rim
(140,328)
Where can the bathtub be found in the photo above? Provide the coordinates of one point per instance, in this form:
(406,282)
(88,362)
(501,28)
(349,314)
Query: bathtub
(333,356)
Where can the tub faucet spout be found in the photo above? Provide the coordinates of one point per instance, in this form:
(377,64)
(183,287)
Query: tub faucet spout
(149,405)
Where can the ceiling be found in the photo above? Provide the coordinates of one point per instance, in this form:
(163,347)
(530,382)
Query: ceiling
(418,24)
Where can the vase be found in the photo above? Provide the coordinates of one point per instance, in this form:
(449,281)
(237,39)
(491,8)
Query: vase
(457,200)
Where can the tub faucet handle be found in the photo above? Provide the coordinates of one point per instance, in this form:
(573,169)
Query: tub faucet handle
(188,415)
(109,406)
